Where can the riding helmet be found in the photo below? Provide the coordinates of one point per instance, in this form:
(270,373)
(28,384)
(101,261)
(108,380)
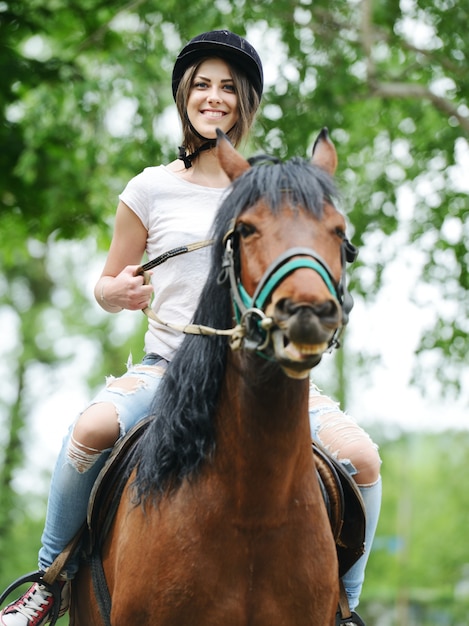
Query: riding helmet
(227,45)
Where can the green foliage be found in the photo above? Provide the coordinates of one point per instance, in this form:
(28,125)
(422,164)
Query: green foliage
(420,557)
(84,102)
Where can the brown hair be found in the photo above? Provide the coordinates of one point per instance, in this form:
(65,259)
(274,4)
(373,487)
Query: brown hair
(248,103)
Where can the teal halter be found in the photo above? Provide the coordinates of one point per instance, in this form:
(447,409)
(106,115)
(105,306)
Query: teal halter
(249,311)
(269,285)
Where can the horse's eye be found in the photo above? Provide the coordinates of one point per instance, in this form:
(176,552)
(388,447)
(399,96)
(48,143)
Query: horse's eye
(245,230)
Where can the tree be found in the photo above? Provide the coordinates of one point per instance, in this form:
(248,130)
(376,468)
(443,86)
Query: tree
(85,104)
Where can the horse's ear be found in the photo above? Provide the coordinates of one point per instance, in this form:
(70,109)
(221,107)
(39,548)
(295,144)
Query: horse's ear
(231,161)
(324,153)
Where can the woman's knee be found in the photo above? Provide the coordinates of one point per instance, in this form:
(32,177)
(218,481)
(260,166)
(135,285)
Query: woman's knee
(97,428)
(347,441)
(364,456)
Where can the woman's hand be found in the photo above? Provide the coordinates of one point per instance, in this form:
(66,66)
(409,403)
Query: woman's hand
(127,290)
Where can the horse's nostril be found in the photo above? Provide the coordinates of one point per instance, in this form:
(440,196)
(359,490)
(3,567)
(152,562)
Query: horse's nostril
(327,310)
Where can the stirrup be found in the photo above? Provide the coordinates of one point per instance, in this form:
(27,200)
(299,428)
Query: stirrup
(38,577)
(353,618)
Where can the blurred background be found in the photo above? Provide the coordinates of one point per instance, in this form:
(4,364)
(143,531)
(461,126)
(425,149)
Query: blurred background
(85,104)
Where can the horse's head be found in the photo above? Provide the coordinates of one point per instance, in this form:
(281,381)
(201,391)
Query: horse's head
(285,255)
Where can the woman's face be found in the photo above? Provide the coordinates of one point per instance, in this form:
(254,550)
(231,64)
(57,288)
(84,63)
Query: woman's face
(212,102)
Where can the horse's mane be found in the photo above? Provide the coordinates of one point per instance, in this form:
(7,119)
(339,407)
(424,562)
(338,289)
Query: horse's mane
(181,435)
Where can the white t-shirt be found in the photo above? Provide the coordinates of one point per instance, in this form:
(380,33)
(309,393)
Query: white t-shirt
(175,213)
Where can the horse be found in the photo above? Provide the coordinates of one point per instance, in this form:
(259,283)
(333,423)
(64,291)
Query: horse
(222,521)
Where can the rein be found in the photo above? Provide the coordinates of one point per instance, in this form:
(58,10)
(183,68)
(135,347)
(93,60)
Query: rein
(172,253)
(236,333)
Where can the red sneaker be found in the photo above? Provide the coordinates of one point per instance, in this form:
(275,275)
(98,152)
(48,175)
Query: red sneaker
(35,606)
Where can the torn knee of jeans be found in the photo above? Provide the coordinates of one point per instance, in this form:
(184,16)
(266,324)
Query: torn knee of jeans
(347,442)
(126,384)
(134,379)
(81,457)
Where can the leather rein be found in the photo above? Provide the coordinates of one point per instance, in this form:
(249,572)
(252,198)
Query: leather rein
(188,329)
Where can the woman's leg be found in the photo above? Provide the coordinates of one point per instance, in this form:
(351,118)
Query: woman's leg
(352,446)
(353,580)
(123,403)
(118,407)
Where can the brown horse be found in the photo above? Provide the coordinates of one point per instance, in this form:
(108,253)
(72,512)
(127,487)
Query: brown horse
(222,522)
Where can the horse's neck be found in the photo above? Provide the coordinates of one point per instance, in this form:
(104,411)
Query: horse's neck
(263,436)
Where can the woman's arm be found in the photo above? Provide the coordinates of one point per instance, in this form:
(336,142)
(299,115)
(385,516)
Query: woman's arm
(118,288)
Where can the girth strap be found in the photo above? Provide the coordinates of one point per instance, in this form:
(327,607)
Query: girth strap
(101,590)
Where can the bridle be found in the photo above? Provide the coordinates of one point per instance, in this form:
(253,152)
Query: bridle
(250,311)
(252,330)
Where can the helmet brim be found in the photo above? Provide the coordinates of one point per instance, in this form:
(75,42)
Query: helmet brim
(230,47)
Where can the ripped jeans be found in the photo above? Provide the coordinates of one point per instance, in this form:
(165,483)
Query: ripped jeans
(72,482)
(75,471)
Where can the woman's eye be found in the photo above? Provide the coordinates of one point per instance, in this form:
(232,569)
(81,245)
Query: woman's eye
(230,88)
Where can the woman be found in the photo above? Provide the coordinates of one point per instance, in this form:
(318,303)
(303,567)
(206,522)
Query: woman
(217,82)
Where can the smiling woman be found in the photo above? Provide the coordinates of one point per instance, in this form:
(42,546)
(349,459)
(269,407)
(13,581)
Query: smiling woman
(212,101)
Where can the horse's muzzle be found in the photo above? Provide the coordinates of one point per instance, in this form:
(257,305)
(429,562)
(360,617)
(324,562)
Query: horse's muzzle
(302,333)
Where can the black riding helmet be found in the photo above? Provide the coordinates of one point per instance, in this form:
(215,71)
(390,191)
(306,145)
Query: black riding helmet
(226,45)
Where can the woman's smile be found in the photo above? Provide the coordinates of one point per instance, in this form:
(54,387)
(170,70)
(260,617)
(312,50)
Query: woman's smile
(214,114)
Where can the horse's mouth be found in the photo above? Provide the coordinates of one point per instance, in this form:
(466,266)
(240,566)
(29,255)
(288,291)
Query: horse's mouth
(296,359)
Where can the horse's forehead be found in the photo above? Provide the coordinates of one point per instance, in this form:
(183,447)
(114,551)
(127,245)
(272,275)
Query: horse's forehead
(326,216)
(291,226)
(332,214)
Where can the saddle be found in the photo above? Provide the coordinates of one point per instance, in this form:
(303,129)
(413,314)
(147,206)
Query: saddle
(343,501)
(345,508)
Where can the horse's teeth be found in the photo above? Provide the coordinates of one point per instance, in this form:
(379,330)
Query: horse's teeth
(296,351)
(307,349)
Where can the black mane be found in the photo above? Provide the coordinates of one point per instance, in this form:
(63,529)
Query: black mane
(182,434)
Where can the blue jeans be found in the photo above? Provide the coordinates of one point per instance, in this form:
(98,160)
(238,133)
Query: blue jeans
(354,578)
(70,488)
